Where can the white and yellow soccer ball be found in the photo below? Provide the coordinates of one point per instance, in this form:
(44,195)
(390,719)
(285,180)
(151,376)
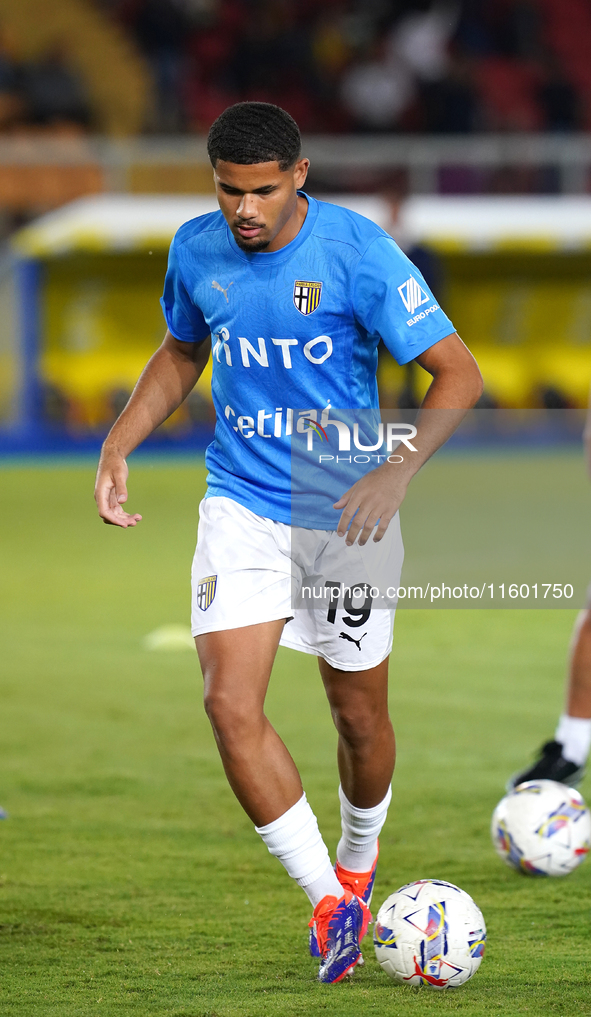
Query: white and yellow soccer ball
(542,828)
(430,933)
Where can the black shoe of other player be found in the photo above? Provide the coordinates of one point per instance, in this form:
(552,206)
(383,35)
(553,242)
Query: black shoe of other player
(551,765)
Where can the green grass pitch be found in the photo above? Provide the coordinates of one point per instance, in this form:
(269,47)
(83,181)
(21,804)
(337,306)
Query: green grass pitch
(130,880)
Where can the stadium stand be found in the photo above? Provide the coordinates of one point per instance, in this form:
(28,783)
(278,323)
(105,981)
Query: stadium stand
(69,64)
(123,67)
(342,66)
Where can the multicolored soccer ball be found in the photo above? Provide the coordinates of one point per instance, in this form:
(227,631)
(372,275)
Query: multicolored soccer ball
(430,933)
(542,828)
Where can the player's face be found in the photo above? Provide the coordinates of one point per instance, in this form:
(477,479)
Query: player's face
(260,203)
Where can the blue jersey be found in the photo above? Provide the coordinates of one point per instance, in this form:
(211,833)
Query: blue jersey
(293,331)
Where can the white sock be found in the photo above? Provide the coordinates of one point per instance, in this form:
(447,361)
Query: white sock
(295,840)
(574,734)
(358,846)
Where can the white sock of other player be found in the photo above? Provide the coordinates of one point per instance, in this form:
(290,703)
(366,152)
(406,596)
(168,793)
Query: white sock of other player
(295,840)
(574,734)
(361,828)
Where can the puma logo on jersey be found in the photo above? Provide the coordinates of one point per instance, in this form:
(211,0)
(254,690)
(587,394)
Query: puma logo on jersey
(345,635)
(216,286)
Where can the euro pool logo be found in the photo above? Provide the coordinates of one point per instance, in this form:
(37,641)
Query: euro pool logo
(412,294)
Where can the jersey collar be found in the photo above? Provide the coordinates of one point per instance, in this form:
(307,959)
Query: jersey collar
(284,253)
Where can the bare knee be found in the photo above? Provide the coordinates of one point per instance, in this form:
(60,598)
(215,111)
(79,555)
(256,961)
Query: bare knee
(233,720)
(214,705)
(360,724)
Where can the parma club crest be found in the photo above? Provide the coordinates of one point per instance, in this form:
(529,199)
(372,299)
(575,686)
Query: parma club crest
(206,591)
(306,295)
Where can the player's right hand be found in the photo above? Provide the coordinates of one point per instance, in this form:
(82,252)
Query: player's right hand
(110,491)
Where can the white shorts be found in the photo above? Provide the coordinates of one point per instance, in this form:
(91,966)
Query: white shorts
(248,569)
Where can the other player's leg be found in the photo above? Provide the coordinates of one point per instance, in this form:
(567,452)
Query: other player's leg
(563,758)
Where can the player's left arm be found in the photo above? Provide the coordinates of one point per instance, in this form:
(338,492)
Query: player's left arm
(456,387)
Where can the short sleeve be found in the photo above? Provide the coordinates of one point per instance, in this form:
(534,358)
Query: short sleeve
(392,299)
(184,319)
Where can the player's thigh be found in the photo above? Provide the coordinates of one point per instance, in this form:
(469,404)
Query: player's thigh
(236,666)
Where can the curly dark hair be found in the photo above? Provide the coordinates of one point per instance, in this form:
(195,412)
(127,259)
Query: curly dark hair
(251,132)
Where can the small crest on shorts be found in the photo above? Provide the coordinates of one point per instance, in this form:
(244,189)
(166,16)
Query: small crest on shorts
(206,591)
(306,295)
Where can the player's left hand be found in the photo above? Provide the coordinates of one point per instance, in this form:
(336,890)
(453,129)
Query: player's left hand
(377,496)
(110,491)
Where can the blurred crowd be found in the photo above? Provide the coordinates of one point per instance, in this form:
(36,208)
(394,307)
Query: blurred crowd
(45,94)
(337,66)
(370,65)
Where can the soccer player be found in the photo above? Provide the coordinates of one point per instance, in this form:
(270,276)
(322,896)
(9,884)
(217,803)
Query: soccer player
(292,295)
(563,758)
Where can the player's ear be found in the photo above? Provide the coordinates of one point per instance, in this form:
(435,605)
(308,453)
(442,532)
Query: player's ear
(300,172)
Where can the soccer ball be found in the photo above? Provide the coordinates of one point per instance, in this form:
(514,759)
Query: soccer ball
(430,933)
(542,828)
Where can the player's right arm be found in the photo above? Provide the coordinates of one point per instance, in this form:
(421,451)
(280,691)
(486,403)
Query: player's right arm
(166,380)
